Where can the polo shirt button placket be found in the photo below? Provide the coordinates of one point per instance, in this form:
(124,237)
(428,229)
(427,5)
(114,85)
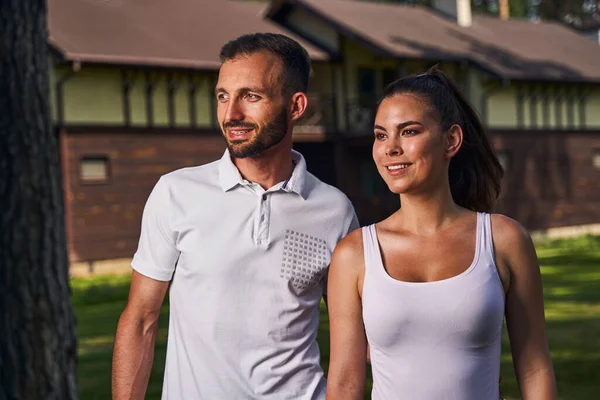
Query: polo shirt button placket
(262,229)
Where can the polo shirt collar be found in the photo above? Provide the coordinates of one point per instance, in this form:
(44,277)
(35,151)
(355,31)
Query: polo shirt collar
(298,181)
(230,177)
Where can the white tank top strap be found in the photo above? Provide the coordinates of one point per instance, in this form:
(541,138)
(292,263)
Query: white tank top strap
(373,259)
(485,235)
(370,245)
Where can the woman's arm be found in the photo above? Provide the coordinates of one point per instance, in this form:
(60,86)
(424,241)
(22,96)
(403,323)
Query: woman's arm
(347,367)
(525,310)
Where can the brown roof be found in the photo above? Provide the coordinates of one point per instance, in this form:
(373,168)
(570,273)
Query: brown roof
(169,33)
(513,49)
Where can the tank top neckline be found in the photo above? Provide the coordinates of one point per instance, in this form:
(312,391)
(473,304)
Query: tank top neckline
(381,267)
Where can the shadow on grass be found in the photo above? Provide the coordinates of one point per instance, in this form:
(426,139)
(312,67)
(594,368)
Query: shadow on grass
(575,356)
(580,245)
(98,305)
(571,282)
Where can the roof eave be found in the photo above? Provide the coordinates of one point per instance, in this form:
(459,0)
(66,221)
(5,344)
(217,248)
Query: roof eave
(273,9)
(144,62)
(277,11)
(57,49)
(569,80)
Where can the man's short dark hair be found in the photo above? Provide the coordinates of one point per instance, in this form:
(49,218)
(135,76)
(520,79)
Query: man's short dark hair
(296,62)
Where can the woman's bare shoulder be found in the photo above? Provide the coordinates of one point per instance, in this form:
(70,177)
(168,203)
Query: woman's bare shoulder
(350,246)
(510,237)
(508,230)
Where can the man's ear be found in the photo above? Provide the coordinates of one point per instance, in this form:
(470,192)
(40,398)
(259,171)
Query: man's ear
(454,140)
(298,105)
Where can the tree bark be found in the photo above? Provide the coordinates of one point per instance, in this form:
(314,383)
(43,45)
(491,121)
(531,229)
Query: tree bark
(37,326)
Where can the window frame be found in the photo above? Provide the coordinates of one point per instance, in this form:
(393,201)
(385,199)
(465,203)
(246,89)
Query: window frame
(95,157)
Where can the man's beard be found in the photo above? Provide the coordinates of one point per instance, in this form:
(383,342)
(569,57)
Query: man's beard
(270,135)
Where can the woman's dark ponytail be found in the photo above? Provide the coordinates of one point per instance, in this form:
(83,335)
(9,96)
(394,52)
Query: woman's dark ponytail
(474,172)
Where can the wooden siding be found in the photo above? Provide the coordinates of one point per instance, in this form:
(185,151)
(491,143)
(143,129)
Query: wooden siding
(550,180)
(103,220)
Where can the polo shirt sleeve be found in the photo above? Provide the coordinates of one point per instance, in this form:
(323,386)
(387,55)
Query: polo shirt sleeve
(157,254)
(354,225)
(351,224)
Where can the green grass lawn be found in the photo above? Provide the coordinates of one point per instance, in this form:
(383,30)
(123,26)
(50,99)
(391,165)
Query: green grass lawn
(571,274)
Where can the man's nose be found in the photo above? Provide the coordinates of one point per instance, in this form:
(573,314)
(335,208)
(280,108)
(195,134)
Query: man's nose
(234,111)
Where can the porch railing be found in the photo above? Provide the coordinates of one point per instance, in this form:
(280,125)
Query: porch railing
(320,116)
(360,118)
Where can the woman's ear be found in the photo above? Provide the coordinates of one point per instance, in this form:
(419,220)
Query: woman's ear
(454,140)
(299,102)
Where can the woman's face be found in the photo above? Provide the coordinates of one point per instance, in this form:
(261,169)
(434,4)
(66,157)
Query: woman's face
(410,150)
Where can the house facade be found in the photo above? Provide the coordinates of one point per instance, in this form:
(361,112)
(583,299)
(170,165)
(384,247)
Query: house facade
(132,96)
(536,87)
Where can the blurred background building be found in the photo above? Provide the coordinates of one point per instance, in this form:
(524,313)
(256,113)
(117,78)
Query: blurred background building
(132,96)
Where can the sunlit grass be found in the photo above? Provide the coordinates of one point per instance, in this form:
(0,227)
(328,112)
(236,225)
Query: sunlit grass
(571,277)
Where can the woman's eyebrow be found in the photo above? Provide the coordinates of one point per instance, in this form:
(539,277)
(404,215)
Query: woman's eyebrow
(401,125)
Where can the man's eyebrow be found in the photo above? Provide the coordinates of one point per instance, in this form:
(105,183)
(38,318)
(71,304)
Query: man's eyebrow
(401,125)
(253,89)
(244,90)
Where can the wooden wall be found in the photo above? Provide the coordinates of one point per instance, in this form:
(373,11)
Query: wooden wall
(103,219)
(550,179)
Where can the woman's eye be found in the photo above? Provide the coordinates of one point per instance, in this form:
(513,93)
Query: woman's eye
(379,136)
(408,132)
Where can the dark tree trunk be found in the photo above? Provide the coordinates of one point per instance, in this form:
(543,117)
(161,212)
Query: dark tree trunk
(37,327)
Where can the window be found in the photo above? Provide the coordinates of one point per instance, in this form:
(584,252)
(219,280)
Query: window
(389,75)
(94,170)
(367,88)
(596,158)
(504,157)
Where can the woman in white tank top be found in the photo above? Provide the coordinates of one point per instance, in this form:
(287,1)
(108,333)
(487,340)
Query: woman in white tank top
(428,288)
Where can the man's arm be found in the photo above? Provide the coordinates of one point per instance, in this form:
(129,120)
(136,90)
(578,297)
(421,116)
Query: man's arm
(135,338)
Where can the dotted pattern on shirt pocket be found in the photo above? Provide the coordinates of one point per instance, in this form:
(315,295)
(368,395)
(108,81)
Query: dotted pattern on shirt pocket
(305,259)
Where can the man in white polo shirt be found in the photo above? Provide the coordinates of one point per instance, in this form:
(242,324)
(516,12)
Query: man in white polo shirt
(245,244)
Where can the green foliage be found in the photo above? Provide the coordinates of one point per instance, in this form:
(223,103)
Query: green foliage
(578,13)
